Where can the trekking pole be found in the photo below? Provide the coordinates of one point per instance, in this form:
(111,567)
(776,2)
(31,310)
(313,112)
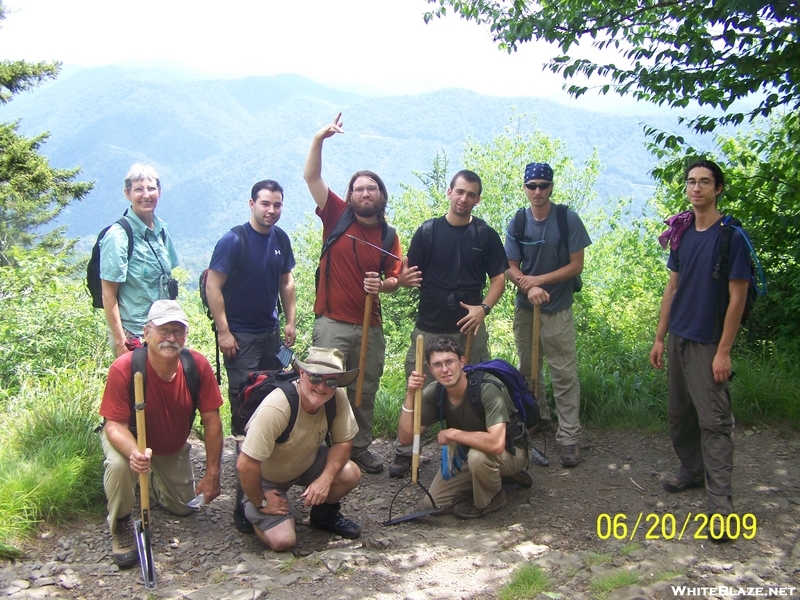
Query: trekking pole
(362,359)
(537,323)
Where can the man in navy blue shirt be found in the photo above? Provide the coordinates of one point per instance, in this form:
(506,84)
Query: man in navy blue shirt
(243,296)
(700,339)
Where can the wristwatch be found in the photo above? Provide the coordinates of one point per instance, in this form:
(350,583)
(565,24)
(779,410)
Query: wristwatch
(486,308)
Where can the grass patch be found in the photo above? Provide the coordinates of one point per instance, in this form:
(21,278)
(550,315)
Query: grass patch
(527,582)
(666,575)
(603,585)
(628,548)
(597,558)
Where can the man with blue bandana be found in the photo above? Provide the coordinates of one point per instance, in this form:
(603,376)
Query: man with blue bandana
(545,245)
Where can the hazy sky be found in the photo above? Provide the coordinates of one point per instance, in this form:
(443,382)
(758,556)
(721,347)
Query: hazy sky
(378,45)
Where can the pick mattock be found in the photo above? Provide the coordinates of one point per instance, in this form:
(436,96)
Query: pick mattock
(142,526)
(362,357)
(415,451)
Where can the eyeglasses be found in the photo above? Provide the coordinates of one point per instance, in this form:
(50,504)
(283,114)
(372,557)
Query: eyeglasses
(438,366)
(141,190)
(179,334)
(705,182)
(331,382)
(369,188)
(539,186)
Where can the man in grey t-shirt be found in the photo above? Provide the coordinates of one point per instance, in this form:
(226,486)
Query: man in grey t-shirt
(545,247)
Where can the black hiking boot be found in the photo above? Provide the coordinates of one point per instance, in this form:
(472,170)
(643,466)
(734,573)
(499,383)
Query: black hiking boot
(327,517)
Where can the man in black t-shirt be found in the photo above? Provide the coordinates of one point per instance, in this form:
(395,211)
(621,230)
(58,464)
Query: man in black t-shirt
(454,253)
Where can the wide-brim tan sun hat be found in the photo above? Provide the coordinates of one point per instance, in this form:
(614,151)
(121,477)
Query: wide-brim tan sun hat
(326,361)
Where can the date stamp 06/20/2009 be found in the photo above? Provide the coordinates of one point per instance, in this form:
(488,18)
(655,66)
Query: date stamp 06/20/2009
(667,526)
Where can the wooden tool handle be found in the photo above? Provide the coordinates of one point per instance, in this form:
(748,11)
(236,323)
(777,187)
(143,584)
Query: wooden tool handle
(468,351)
(362,358)
(141,438)
(417,412)
(537,322)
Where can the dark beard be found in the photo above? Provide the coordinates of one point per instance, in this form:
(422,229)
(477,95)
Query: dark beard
(368,211)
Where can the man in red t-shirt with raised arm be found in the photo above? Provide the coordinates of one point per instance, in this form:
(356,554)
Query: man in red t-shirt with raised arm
(348,271)
(169,412)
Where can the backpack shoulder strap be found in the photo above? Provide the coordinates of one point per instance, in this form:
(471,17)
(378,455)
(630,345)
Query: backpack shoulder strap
(138,365)
(126,226)
(192,377)
(563,228)
(519,228)
(474,384)
(330,415)
(388,235)
(243,251)
(427,238)
(347,218)
(290,391)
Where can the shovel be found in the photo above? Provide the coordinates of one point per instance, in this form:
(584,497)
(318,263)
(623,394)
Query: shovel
(415,452)
(362,358)
(142,527)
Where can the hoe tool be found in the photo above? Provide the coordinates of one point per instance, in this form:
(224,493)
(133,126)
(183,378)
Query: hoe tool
(142,527)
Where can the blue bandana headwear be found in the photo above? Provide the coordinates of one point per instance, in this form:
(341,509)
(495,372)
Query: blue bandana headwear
(538,171)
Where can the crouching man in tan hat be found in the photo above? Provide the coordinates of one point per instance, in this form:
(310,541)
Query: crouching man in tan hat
(268,468)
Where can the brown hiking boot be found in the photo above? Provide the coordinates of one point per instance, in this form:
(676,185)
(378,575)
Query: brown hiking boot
(123,545)
(468,510)
(570,456)
(368,462)
(400,466)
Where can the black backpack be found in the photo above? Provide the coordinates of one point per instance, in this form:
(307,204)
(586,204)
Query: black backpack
(93,283)
(757,284)
(526,409)
(563,234)
(242,256)
(388,235)
(190,373)
(257,386)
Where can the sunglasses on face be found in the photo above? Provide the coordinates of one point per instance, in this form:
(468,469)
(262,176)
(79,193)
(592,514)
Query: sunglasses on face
(331,382)
(539,186)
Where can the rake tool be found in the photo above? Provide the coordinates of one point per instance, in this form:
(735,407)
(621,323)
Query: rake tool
(415,452)
(142,526)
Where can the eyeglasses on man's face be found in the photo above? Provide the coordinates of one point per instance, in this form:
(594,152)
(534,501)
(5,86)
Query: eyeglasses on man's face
(165,332)
(331,382)
(372,189)
(704,182)
(450,363)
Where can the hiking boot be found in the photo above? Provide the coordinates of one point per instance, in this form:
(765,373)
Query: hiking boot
(673,485)
(522,478)
(239,520)
(400,466)
(468,510)
(570,456)
(328,518)
(368,462)
(123,545)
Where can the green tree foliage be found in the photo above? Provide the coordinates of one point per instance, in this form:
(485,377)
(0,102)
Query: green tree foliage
(32,193)
(674,52)
(762,191)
